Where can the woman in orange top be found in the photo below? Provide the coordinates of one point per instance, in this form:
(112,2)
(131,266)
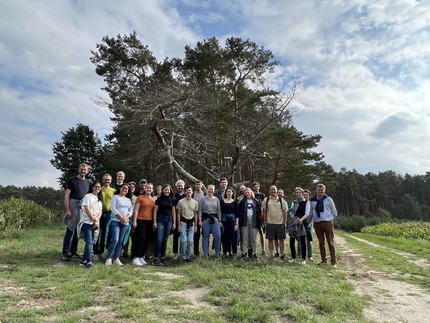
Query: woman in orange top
(142,221)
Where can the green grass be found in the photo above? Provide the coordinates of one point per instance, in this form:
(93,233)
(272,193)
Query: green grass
(385,260)
(35,286)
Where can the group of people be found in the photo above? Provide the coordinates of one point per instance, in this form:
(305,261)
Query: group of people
(107,214)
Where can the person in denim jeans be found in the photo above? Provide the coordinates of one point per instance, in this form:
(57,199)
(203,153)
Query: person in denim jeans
(309,231)
(187,219)
(91,212)
(210,221)
(107,194)
(122,210)
(76,189)
(164,220)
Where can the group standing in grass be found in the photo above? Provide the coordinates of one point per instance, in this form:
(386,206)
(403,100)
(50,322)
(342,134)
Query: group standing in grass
(107,214)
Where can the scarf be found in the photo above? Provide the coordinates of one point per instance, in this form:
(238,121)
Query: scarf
(320,204)
(295,206)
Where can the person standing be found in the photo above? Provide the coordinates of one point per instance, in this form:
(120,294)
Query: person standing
(247,221)
(164,220)
(142,186)
(197,195)
(119,227)
(275,217)
(91,211)
(107,194)
(281,194)
(210,221)
(120,177)
(259,196)
(229,215)
(76,189)
(142,222)
(323,212)
(309,231)
(179,195)
(187,222)
(299,213)
(133,198)
(219,193)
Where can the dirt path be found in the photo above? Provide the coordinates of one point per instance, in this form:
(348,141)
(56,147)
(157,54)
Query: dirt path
(391,300)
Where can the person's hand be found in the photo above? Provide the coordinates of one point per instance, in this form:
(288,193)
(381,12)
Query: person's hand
(95,225)
(154,225)
(195,229)
(300,221)
(134,224)
(200,223)
(220,224)
(236,227)
(173,226)
(179,229)
(68,214)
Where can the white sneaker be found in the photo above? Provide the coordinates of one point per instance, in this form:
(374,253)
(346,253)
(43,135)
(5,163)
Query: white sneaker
(311,259)
(136,262)
(108,262)
(292,260)
(303,262)
(175,256)
(117,262)
(142,261)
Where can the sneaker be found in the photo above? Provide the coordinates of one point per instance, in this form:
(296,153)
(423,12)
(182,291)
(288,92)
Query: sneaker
(137,262)
(334,266)
(218,258)
(175,256)
(283,257)
(322,263)
(303,262)
(156,262)
(108,262)
(118,262)
(243,256)
(142,261)
(254,256)
(83,263)
(76,256)
(66,258)
(187,260)
(264,253)
(163,262)
(311,259)
(89,265)
(292,261)
(277,255)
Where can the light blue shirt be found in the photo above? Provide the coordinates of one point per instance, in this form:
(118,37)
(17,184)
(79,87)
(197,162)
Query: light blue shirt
(329,211)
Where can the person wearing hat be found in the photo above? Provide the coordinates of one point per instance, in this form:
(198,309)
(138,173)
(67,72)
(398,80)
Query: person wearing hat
(142,185)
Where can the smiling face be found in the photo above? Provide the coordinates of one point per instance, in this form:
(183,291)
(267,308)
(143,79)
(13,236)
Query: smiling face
(96,188)
(180,187)
(107,179)
(124,190)
(223,184)
(273,191)
(189,192)
(320,190)
(166,191)
(120,176)
(83,171)
(299,194)
(211,190)
(229,193)
(148,189)
(306,196)
(281,193)
(247,194)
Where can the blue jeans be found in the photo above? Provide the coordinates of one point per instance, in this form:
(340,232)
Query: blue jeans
(118,232)
(207,229)
(87,229)
(187,240)
(164,226)
(70,242)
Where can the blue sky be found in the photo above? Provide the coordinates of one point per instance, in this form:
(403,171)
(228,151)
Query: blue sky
(364,65)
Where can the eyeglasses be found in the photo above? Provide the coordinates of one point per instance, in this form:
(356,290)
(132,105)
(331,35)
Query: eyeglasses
(97,186)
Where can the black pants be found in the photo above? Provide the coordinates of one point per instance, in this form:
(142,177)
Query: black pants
(143,236)
(197,235)
(293,248)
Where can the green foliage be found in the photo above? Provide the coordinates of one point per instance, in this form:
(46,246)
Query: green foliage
(408,209)
(356,223)
(79,144)
(383,213)
(45,196)
(409,230)
(22,214)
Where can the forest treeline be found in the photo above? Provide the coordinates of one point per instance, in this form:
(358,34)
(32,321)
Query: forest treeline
(386,194)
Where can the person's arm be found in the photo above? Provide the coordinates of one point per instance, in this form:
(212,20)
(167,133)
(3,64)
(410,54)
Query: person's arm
(200,212)
(136,212)
(284,214)
(264,211)
(179,218)
(154,217)
(195,221)
(332,206)
(218,207)
(67,203)
(174,217)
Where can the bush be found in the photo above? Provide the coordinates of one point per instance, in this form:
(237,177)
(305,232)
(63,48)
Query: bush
(22,214)
(409,230)
(356,223)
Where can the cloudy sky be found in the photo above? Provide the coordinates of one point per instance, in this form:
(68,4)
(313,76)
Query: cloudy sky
(364,65)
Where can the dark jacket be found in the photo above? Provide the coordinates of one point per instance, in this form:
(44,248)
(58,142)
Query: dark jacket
(243,214)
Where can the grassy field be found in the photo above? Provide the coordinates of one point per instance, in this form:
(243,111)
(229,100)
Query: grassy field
(35,286)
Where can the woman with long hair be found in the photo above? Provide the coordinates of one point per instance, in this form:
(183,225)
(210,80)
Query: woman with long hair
(210,221)
(247,220)
(91,211)
(164,220)
(122,209)
(228,218)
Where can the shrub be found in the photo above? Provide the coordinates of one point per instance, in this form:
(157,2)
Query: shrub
(356,223)
(21,214)
(409,230)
